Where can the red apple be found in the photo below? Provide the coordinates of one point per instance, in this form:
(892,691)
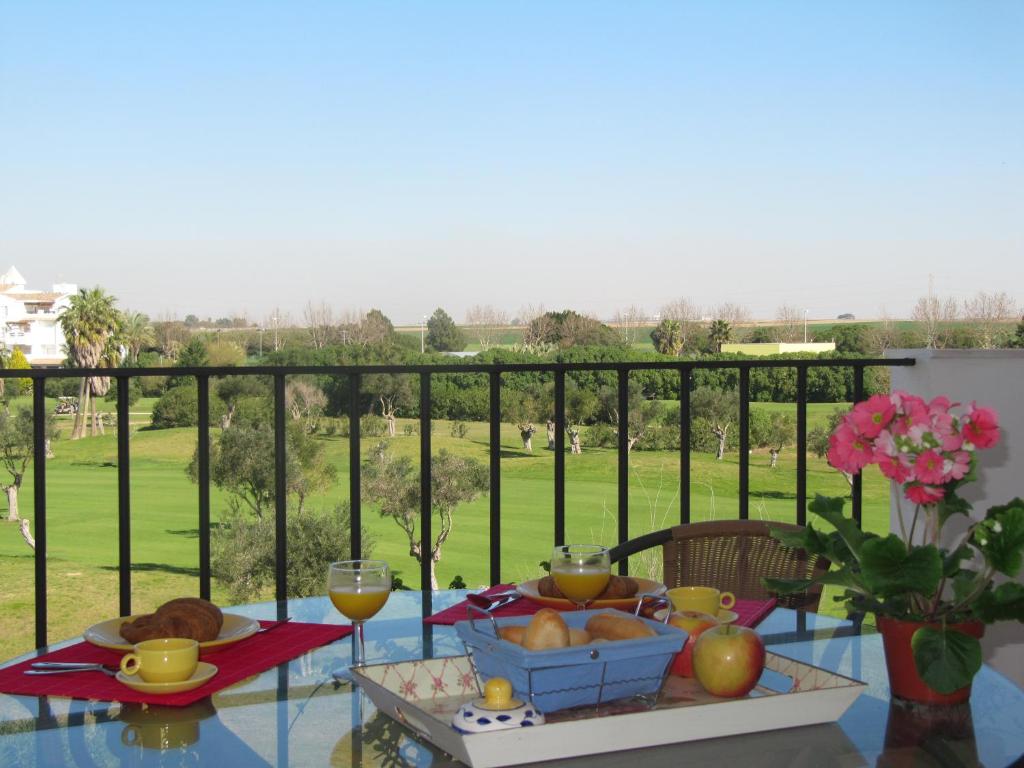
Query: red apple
(728,660)
(694,623)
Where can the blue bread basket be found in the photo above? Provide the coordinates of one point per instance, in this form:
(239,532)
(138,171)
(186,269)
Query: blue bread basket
(575,676)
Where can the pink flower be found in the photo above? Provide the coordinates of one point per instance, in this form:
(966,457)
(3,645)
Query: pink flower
(886,445)
(848,451)
(873,415)
(928,467)
(940,404)
(944,429)
(923,494)
(957,466)
(911,410)
(981,426)
(894,468)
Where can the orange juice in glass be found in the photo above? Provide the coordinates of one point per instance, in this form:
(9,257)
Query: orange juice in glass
(359,604)
(358,589)
(580,571)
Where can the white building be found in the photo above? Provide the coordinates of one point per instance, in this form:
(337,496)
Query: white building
(29,319)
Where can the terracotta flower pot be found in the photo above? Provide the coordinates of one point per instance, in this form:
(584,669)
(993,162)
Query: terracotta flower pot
(904,682)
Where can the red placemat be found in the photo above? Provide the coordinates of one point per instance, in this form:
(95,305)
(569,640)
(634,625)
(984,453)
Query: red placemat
(521,607)
(750,612)
(234,662)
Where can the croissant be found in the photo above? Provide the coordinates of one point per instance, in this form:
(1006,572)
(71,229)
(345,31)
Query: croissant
(189,617)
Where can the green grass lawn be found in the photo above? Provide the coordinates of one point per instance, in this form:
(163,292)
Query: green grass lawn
(82,516)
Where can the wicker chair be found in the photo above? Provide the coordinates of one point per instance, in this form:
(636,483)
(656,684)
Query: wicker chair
(731,555)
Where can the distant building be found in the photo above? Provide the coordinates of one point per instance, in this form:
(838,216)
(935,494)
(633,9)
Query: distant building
(29,319)
(780,348)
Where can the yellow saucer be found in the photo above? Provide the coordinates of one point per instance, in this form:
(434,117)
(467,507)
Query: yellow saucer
(204,671)
(725,616)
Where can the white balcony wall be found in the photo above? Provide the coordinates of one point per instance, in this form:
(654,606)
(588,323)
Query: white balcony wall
(993,378)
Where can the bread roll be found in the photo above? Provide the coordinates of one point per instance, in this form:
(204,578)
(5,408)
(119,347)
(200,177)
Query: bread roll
(547,629)
(608,626)
(578,637)
(513,633)
(618,588)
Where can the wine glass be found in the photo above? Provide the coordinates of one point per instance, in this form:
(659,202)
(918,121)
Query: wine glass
(581,571)
(358,589)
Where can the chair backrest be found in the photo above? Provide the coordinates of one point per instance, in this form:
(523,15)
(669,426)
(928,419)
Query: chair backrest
(732,555)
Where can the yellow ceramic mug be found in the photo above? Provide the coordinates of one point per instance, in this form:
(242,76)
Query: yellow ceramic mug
(701,599)
(167,660)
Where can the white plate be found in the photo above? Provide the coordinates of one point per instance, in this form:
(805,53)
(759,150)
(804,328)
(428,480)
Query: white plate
(644,586)
(203,673)
(107,634)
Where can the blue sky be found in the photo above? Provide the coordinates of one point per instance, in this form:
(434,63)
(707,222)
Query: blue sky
(231,157)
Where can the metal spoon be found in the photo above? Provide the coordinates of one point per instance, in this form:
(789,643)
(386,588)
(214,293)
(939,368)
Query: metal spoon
(275,625)
(59,667)
(497,600)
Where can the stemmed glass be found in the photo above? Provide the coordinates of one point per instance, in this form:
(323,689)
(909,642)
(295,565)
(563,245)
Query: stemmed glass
(581,571)
(358,589)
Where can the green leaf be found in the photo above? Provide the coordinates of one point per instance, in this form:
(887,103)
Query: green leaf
(951,561)
(888,568)
(831,510)
(786,586)
(1001,539)
(841,577)
(1004,603)
(964,584)
(1015,503)
(807,538)
(945,659)
(951,505)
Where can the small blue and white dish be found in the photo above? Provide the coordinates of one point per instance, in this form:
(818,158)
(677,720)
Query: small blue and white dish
(496,711)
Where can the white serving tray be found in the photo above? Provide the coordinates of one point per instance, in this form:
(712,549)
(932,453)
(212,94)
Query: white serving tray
(423,695)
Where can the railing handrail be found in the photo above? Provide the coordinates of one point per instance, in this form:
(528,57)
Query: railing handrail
(685,368)
(292,370)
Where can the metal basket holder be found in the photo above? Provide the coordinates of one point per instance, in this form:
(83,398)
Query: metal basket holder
(646,599)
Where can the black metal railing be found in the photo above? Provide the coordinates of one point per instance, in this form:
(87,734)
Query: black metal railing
(495,371)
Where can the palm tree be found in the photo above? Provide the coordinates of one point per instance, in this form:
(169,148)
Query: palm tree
(136,334)
(668,337)
(719,333)
(91,324)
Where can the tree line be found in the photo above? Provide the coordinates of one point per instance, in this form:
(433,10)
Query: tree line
(101,336)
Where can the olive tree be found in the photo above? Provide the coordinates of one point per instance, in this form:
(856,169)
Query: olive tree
(242,463)
(717,411)
(394,483)
(16,450)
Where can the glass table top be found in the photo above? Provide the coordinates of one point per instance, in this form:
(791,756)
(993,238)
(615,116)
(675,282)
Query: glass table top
(296,714)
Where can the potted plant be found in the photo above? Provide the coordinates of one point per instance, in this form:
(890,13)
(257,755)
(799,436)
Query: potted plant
(931,596)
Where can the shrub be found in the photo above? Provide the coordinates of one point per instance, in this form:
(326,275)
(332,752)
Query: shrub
(703,440)
(252,410)
(179,407)
(62,388)
(659,437)
(600,435)
(134,391)
(330,427)
(18,361)
(244,547)
(153,386)
(459,429)
(372,426)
